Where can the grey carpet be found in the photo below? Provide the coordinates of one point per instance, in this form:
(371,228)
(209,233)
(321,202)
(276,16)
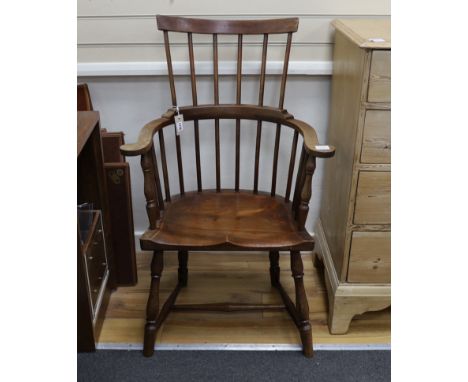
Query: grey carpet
(193,366)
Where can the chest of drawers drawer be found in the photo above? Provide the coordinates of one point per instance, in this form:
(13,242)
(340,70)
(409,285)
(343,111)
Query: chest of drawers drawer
(379,77)
(376,147)
(369,258)
(373,198)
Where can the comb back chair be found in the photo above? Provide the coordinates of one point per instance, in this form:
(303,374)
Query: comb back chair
(221,218)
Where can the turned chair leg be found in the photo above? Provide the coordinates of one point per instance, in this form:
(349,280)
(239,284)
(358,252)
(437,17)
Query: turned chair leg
(152,307)
(302,305)
(274,268)
(183,271)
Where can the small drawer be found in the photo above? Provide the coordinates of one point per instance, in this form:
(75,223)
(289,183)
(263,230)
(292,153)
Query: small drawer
(376,138)
(373,198)
(379,77)
(369,258)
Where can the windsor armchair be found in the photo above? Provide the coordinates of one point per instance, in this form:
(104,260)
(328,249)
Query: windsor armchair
(222,218)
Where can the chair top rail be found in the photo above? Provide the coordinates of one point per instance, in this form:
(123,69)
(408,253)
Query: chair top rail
(207,26)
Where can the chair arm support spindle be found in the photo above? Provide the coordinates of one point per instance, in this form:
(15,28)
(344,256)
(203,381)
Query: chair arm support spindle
(150,190)
(306,191)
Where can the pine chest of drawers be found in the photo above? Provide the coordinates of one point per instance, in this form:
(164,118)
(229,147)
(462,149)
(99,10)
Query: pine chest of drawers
(353,232)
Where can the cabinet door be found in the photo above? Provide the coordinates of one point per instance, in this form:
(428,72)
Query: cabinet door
(373,198)
(369,259)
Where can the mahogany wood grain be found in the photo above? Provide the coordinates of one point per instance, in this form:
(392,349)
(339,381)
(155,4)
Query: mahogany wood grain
(274,268)
(183,271)
(240,220)
(292,162)
(225,219)
(206,26)
(162,148)
(195,103)
(216,102)
(238,101)
(261,92)
(152,306)
(302,305)
(152,208)
(228,307)
(229,111)
(157,180)
(306,192)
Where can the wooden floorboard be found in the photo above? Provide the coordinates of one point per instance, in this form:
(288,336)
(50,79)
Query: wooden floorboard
(235,277)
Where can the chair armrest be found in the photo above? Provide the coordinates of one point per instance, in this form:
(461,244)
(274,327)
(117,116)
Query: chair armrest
(145,138)
(311,143)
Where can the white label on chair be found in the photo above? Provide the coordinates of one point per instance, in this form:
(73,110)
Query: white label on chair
(322,147)
(179,123)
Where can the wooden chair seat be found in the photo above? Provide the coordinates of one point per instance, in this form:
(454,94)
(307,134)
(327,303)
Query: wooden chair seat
(238,220)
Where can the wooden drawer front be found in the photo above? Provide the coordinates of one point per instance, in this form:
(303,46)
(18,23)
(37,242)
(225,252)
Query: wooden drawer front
(369,259)
(379,78)
(376,138)
(373,198)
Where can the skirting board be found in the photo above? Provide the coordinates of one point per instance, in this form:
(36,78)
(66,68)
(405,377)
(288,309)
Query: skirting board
(182,68)
(242,347)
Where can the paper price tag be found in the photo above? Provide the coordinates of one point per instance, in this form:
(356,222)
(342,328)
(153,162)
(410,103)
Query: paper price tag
(179,123)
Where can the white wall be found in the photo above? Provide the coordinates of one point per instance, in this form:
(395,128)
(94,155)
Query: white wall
(121,57)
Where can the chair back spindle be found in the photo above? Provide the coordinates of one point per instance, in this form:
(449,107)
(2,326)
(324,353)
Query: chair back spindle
(174,103)
(195,103)
(216,102)
(238,102)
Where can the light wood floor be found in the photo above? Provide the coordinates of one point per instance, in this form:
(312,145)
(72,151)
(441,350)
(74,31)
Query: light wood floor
(235,277)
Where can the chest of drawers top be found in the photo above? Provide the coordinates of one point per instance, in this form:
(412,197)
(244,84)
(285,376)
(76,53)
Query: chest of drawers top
(368,33)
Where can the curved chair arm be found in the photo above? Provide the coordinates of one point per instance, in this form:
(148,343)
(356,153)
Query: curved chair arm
(145,138)
(311,143)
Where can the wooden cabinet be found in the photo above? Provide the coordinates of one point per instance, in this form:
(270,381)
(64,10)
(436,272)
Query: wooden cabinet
(353,232)
(95,261)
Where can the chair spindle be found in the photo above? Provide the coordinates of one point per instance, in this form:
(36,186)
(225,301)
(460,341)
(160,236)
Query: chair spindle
(291,166)
(280,106)
(157,179)
(260,103)
(216,101)
(238,101)
(299,182)
(162,148)
(306,191)
(174,103)
(195,103)
(152,208)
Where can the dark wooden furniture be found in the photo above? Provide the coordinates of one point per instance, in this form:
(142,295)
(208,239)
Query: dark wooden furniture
(96,271)
(227,219)
(117,175)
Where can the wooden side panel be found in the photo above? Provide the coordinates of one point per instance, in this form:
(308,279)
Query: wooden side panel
(373,198)
(379,81)
(346,90)
(376,147)
(369,260)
